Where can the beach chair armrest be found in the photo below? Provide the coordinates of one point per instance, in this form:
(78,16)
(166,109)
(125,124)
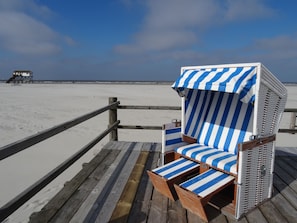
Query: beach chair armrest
(171,137)
(256,142)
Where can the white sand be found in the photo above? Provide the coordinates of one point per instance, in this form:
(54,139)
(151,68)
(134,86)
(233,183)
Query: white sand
(29,108)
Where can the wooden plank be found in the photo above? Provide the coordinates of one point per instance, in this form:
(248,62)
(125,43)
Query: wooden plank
(256,216)
(218,218)
(158,209)
(285,151)
(284,174)
(141,205)
(271,213)
(176,213)
(288,163)
(104,208)
(66,213)
(123,207)
(284,207)
(193,218)
(233,220)
(156,147)
(56,203)
(213,214)
(101,189)
(158,205)
(285,190)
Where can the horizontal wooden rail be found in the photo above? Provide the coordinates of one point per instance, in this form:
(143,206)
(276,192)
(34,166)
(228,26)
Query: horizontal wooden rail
(18,146)
(149,107)
(145,107)
(151,127)
(148,127)
(292,131)
(153,107)
(290,110)
(292,128)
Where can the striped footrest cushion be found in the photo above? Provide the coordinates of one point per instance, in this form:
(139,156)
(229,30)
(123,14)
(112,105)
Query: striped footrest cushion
(207,182)
(175,168)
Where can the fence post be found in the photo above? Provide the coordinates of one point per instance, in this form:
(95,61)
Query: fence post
(293,120)
(113,117)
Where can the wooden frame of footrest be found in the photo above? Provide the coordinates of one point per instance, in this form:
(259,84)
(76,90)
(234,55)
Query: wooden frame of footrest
(166,186)
(195,203)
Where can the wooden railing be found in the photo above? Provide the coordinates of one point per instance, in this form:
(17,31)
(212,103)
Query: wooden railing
(112,130)
(113,113)
(21,145)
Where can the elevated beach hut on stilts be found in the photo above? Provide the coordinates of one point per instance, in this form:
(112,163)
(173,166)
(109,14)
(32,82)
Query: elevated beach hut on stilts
(223,148)
(21,76)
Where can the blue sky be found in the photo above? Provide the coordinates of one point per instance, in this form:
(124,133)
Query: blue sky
(145,40)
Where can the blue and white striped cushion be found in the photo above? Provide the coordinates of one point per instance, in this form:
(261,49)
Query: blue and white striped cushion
(217,119)
(207,182)
(175,168)
(173,136)
(213,157)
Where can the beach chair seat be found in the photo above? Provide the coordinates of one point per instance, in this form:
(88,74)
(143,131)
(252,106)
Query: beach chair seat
(197,191)
(212,157)
(171,173)
(218,122)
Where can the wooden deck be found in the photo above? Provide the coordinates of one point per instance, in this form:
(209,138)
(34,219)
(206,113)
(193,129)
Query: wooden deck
(114,187)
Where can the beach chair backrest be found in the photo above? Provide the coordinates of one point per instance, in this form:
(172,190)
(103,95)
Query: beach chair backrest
(218,104)
(224,105)
(217,119)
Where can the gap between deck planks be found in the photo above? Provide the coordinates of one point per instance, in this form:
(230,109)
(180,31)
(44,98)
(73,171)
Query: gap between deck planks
(102,192)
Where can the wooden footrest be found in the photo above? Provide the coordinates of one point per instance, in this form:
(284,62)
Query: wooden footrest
(174,172)
(197,191)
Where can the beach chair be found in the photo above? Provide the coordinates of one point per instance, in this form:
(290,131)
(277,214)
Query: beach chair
(230,115)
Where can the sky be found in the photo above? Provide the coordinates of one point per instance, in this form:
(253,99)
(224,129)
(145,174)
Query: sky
(144,40)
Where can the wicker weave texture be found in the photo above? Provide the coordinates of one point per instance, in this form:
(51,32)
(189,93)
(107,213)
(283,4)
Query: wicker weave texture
(254,178)
(256,165)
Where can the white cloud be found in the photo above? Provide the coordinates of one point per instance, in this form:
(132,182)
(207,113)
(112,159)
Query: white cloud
(278,47)
(29,6)
(170,24)
(243,10)
(23,31)
(180,14)
(23,34)
(175,24)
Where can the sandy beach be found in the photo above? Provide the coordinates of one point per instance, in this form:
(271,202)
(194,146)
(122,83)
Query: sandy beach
(26,109)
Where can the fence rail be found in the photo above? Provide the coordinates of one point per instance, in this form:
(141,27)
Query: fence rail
(21,145)
(292,128)
(112,130)
(18,146)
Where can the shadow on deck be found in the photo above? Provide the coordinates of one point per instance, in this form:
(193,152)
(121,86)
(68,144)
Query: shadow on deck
(114,187)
